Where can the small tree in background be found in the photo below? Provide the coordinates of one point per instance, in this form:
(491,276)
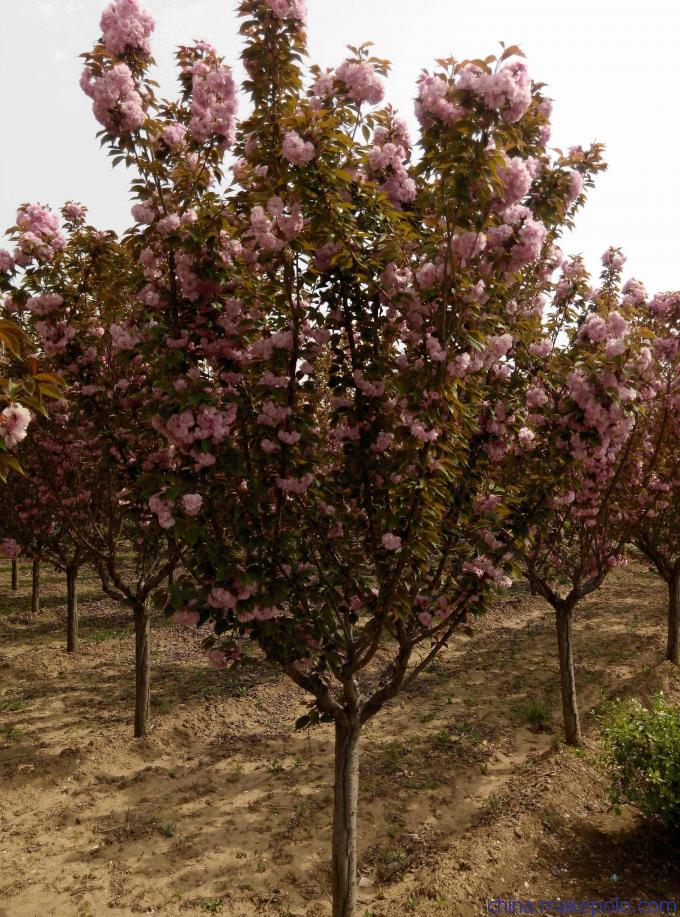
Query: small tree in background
(85,462)
(598,418)
(658,535)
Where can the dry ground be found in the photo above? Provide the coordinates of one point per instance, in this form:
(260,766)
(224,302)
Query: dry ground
(225,808)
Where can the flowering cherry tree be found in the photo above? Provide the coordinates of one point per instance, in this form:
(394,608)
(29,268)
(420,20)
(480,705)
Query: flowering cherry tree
(658,534)
(597,418)
(333,351)
(85,462)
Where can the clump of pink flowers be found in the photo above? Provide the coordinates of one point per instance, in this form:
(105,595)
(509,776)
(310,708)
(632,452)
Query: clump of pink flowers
(288,9)
(125,25)
(296,150)
(116,103)
(39,234)
(362,81)
(14,421)
(213,103)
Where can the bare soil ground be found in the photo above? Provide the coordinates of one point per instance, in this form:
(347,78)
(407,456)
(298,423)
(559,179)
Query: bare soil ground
(225,809)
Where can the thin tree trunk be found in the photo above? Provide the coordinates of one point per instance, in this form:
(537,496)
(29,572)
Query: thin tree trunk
(15,573)
(673,648)
(142,670)
(345,818)
(572,724)
(171,579)
(35,591)
(72,610)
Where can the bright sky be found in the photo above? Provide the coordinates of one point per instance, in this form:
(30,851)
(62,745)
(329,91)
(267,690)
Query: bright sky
(593,54)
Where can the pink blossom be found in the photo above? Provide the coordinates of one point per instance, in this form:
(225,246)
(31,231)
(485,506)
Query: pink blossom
(613,258)
(536,397)
(516,178)
(467,245)
(575,185)
(124,25)
(213,102)
(39,234)
(508,90)
(290,439)
(432,104)
(391,542)
(174,135)
(296,150)
(144,212)
(74,211)
(14,421)
(192,503)
(162,508)
(116,102)
(526,437)
(294,485)
(222,598)
(6,262)
(362,81)
(288,9)
(169,224)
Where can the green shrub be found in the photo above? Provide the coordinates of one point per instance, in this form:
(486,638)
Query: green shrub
(643,757)
(536,714)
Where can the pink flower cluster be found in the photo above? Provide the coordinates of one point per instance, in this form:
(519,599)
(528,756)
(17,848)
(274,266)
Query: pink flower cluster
(362,82)
(162,508)
(390,541)
(208,423)
(507,91)
(483,568)
(125,25)
(294,485)
(213,102)
(612,329)
(116,103)
(517,179)
(74,211)
(296,150)
(433,104)
(14,421)
(44,304)
(191,504)
(614,259)
(56,335)
(39,234)
(123,338)
(388,157)
(525,234)
(288,9)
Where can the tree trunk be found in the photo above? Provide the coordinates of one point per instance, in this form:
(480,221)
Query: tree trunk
(345,818)
(72,610)
(15,572)
(572,725)
(673,648)
(142,670)
(35,591)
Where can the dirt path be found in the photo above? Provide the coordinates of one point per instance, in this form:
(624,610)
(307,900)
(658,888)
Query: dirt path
(226,809)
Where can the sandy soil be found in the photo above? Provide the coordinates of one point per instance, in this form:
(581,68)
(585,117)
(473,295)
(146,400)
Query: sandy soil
(225,809)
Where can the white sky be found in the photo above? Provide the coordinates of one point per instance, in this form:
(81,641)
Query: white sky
(610,66)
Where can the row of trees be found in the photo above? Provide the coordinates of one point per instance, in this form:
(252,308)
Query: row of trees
(348,395)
